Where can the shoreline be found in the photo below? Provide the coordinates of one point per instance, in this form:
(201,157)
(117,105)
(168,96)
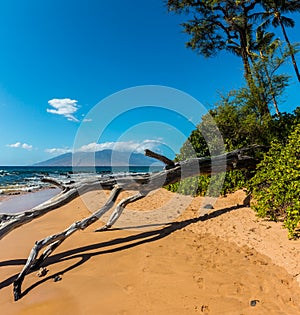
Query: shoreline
(22,201)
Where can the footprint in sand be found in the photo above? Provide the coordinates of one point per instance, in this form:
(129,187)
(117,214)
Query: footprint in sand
(129,289)
(239,287)
(204,309)
(200,281)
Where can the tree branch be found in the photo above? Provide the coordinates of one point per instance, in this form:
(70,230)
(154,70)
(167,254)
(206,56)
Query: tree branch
(143,184)
(192,167)
(169,163)
(55,240)
(119,209)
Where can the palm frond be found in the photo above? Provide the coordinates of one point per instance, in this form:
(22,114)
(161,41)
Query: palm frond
(266,23)
(288,22)
(236,50)
(275,22)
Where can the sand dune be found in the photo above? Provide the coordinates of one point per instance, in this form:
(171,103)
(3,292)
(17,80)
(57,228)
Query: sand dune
(227,262)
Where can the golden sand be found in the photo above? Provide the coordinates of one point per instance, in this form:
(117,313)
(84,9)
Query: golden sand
(228,262)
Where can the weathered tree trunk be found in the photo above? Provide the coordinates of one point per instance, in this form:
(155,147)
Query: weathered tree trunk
(143,184)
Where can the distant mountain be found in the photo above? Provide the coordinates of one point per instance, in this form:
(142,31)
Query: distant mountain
(99,158)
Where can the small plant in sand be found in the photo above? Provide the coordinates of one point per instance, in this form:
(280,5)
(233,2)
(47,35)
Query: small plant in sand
(276,184)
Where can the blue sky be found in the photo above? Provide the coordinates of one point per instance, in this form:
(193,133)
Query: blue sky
(64,63)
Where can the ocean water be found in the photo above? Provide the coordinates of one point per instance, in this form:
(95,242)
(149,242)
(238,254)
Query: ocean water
(28,178)
(17,179)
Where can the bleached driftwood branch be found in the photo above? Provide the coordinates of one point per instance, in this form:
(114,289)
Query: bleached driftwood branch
(143,184)
(9,222)
(169,163)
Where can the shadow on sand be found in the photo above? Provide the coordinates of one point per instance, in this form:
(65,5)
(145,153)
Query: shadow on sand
(120,243)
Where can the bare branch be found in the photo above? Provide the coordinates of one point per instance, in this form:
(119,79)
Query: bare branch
(142,184)
(192,167)
(55,240)
(169,163)
(119,209)
(54,182)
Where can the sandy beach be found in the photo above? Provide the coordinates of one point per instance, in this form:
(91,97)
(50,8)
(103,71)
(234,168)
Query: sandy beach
(226,262)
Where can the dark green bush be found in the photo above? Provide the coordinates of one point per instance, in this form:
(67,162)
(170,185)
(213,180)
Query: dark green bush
(239,126)
(194,186)
(215,186)
(276,184)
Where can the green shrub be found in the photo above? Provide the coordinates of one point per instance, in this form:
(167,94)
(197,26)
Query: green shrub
(238,126)
(194,186)
(213,186)
(276,184)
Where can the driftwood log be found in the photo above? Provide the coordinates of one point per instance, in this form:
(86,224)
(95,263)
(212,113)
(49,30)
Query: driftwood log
(143,184)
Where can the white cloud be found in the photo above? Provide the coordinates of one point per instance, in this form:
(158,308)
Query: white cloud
(123,146)
(87,120)
(14,145)
(26,146)
(20,145)
(58,150)
(92,147)
(65,107)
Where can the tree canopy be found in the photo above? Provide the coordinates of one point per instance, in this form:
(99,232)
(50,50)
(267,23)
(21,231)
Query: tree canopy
(246,28)
(239,27)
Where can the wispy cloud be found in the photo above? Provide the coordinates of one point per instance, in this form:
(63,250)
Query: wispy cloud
(87,120)
(20,145)
(58,150)
(65,107)
(122,146)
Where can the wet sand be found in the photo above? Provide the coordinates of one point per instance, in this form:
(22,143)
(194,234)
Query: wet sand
(25,201)
(227,262)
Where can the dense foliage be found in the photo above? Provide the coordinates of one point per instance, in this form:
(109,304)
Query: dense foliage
(243,117)
(276,184)
(239,125)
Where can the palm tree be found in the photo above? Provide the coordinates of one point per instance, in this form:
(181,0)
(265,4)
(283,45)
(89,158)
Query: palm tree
(274,11)
(254,78)
(266,47)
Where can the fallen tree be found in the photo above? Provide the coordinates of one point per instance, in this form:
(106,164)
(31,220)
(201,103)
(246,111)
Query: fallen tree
(140,184)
